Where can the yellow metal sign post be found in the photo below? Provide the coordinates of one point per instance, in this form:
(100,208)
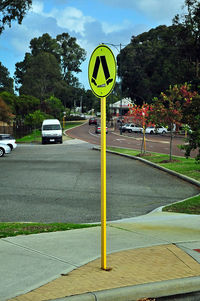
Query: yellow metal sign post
(102,77)
(103,183)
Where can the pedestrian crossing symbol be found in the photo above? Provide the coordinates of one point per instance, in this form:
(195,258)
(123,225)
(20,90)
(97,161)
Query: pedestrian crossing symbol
(102,71)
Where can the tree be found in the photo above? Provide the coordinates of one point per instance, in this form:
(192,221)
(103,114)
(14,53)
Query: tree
(21,69)
(152,62)
(5,112)
(45,43)
(6,82)
(41,76)
(140,115)
(71,56)
(167,109)
(13,10)
(36,118)
(54,107)
(9,99)
(65,93)
(193,120)
(25,104)
(189,33)
(191,117)
(49,68)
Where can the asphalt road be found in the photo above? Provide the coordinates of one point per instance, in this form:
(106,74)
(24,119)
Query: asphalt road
(154,143)
(61,183)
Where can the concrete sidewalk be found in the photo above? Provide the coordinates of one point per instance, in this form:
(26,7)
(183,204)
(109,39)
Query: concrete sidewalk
(149,256)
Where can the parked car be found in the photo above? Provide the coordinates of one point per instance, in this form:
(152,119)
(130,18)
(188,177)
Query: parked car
(131,127)
(161,130)
(136,128)
(154,130)
(98,129)
(150,130)
(9,140)
(92,120)
(123,127)
(4,149)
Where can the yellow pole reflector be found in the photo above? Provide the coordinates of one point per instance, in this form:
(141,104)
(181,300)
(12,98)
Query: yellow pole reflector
(103,183)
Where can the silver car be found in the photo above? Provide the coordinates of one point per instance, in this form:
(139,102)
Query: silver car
(134,128)
(9,140)
(4,149)
(98,129)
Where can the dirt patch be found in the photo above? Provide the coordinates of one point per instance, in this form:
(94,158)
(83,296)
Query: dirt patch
(170,161)
(144,155)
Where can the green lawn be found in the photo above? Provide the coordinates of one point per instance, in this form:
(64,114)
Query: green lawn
(190,206)
(35,136)
(14,229)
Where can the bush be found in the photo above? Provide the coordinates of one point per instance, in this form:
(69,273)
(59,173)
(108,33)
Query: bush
(35,119)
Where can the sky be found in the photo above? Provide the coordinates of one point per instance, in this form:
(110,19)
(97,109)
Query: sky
(91,22)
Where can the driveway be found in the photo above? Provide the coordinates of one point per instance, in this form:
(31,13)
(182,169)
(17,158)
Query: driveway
(61,183)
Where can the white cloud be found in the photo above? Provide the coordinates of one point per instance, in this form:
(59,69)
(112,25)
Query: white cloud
(158,10)
(46,16)
(69,18)
(20,38)
(37,7)
(109,28)
(73,19)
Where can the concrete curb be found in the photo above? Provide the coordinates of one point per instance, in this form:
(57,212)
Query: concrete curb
(174,173)
(136,292)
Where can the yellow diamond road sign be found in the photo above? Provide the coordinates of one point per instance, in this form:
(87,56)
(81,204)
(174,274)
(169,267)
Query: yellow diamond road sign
(102,71)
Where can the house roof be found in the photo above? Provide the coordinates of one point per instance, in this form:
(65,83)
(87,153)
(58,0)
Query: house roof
(124,103)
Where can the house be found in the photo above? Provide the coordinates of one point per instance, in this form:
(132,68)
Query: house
(121,107)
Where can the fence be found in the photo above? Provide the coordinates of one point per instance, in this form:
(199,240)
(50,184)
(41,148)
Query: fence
(20,130)
(5,129)
(16,130)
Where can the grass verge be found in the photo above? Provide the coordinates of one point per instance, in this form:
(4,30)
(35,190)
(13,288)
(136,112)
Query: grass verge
(184,166)
(14,229)
(35,136)
(189,206)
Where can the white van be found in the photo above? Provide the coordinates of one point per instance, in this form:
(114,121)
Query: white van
(51,131)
